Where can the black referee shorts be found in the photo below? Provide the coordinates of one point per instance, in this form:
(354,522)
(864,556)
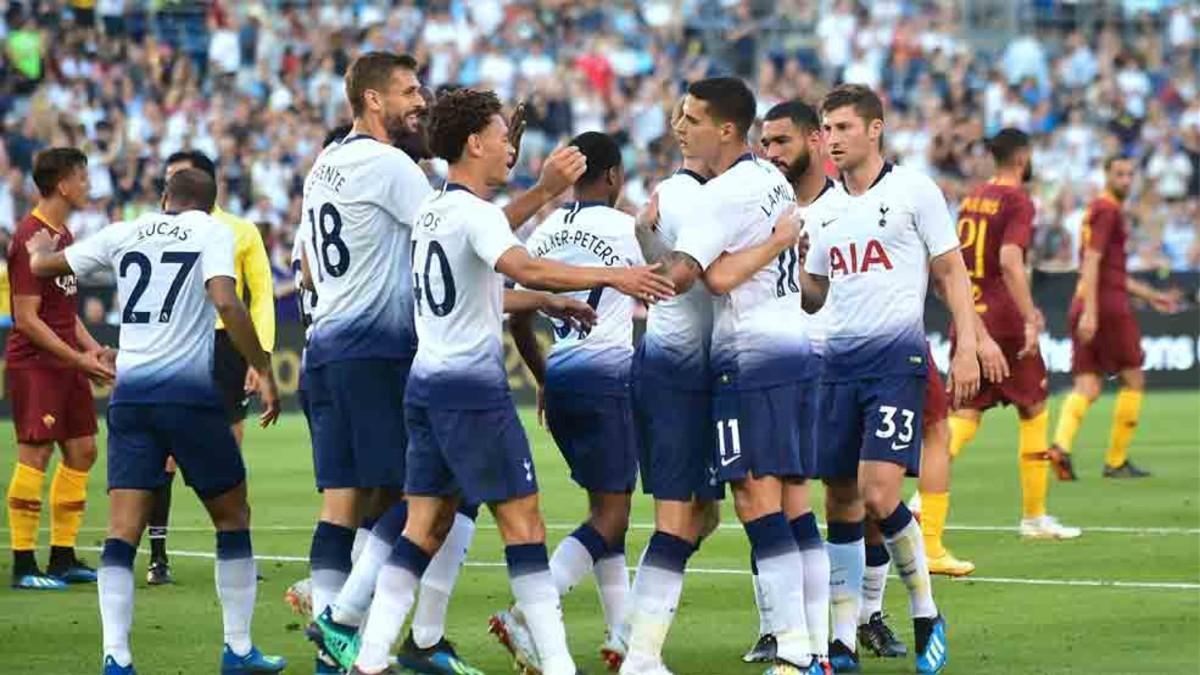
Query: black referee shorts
(229,373)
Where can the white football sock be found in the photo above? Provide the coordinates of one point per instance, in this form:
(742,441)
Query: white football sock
(907,548)
(846,564)
(354,598)
(237,588)
(816,597)
(612,581)
(874,583)
(570,563)
(115,588)
(433,601)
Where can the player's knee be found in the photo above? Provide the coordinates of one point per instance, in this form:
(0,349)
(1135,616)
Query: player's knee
(842,501)
(35,456)
(520,522)
(752,504)
(1088,388)
(1133,379)
(707,518)
(879,501)
(609,515)
(80,456)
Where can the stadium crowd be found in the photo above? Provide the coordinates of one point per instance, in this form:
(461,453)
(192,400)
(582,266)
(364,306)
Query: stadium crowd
(256,86)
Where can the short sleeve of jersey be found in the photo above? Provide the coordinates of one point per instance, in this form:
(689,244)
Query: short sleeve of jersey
(817,259)
(1098,228)
(490,236)
(934,224)
(1019,228)
(405,187)
(20,275)
(704,235)
(216,260)
(94,253)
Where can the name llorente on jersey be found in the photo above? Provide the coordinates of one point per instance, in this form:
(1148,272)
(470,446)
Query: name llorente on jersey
(584,240)
(329,175)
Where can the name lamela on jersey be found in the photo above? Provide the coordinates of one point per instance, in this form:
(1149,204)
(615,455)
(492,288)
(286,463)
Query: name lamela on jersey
(781,194)
(584,240)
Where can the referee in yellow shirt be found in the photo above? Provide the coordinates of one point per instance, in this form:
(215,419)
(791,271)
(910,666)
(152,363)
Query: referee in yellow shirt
(232,377)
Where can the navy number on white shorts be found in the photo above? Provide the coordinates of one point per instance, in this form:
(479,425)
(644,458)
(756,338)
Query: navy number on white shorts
(328,224)
(421,288)
(733,451)
(888,428)
(185,260)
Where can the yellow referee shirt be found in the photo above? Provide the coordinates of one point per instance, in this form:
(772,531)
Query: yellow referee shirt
(253,270)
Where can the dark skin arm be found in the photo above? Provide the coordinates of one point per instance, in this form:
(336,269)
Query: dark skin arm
(223,293)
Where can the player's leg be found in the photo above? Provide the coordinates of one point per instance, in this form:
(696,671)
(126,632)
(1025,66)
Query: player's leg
(206,451)
(1125,419)
(25,513)
(942,440)
(874,634)
(427,640)
(797,506)
(1034,468)
(68,489)
(1085,390)
(159,571)
(127,513)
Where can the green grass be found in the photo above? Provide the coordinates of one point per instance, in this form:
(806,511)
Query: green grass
(997,626)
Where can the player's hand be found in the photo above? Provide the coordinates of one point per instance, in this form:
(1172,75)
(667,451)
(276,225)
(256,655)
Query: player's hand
(41,242)
(788,228)
(268,393)
(964,378)
(516,130)
(541,406)
(561,169)
(991,360)
(1164,303)
(643,282)
(1087,326)
(1030,347)
(578,315)
(647,218)
(97,364)
(251,385)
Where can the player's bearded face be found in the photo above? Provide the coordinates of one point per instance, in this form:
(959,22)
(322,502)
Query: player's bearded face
(404,109)
(784,146)
(1120,178)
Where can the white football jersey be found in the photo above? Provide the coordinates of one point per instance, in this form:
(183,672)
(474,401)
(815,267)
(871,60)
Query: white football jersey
(459,301)
(827,198)
(359,202)
(162,262)
(875,249)
(679,329)
(591,234)
(760,330)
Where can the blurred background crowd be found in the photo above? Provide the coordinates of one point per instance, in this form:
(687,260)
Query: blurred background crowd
(257,84)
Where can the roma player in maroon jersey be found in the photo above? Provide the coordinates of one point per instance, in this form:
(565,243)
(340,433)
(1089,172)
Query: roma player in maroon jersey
(1104,334)
(49,356)
(995,225)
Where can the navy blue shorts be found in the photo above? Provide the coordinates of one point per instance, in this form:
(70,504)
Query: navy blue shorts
(675,440)
(481,455)
(765,432)
(356,414)
(876,419)
(141,437)
(595,434)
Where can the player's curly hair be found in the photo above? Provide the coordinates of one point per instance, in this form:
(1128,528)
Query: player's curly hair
(456,115)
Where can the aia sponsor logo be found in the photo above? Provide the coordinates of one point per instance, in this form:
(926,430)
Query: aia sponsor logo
(851,259)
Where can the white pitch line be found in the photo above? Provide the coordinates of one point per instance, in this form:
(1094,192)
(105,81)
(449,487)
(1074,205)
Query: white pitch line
(1105,529)
(1090,583)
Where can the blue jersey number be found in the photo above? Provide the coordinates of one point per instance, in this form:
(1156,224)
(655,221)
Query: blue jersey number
(185,260)
(788,260)
(563,328)
(327,223)
(421,288)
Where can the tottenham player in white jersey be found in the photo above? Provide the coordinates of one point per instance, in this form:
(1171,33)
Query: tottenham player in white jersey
(875,250)
(174,275)
(584,382)
(459,386)
(791,139)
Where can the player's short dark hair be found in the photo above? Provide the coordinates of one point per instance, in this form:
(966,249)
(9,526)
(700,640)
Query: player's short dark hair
(191,189)
(1005,145)
(800,113)
(600,150)
(372,71)
(51,166)
(196,160)
(455,116)
(1114,158)
(728,99)
(866,103)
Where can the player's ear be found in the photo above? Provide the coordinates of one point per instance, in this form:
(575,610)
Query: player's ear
(875,129)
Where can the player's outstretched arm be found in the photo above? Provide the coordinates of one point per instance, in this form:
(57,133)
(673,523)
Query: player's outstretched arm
(1160,301)
(223,293)
(641,282)
(950,273)
(731,270)
(1012,271)
(561,169)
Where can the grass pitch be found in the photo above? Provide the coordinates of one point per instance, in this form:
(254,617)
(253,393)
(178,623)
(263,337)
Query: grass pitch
(1125,598)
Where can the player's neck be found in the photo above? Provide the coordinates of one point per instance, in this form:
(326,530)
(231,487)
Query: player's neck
(1009,177)
(1112,196)
(463,175)
(53,212)
(697,166)
(859,179)
(367,126)
(810,186)
(728,156)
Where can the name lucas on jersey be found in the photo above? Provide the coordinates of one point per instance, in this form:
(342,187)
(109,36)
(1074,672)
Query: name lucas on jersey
(164,228)
(584,240)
